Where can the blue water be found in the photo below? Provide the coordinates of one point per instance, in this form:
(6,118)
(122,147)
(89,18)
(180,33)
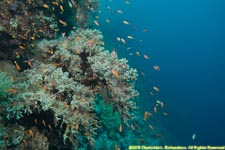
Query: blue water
(187,40)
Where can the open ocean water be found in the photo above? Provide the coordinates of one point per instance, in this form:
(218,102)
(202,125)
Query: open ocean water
(187,40)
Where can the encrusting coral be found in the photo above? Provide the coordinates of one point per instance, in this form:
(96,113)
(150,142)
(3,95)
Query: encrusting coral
(65,79)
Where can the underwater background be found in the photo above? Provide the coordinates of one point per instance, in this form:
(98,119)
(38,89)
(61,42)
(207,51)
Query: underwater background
(64,82)
(187,40)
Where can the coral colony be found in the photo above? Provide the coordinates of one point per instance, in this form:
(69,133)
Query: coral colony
(60,89)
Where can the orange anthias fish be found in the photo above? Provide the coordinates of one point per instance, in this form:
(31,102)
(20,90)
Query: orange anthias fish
(11,90)
(146,115)
(17,66)
(43,122)
(115,73)
(31,133)
(121,128)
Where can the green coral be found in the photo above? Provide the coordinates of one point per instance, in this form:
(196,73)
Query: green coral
(111,120)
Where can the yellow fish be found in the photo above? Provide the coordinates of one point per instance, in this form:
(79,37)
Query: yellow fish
(130,37)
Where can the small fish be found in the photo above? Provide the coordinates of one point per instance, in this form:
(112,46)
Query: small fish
(118,39)
(142,73)
(127,2)
(156,88)
(29,62)
(55,3)
(50,127)
(31,133)
(119,11)
(32,38)
(108,7)
(45,6)
(63,22)
(151,93)
(144,30)
(115,73)
(155,67)
(61,8)
(56,64)
(96,23)
(142,141)
(77,126)
(138,53)
(165,114)
(155,109)
(193,137)
(130,54)
(158,101)
(102,43)
(121,128)
(161,104)
(132,127)
(151,127)
(11,90)
(65,104)
(129,48)
(22,47)
(35,121)
(32,45)
(107,20)
(141,40)
(146,57)
(123,41)
(70,4)
(114,54)
(43,122)
(126,22)
(146,115)
(130,37)
(25,143)
(63,34)
(17,66)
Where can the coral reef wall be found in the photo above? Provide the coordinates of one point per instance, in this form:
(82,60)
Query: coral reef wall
(60,90)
